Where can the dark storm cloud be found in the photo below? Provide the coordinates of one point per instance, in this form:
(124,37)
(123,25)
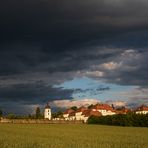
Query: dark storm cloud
(56,40)
(33,93)
(70,21)
(24,98)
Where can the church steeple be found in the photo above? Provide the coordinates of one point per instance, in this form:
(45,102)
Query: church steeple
(47,106)
(47,112)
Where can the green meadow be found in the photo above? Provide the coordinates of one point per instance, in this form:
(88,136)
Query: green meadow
(71,136)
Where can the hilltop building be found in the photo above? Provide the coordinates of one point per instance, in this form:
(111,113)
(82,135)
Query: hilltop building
(84,113)
(123,110)
(142,110)
(79,112)
(67,113)
(87,113)
(47,112)
(104,109)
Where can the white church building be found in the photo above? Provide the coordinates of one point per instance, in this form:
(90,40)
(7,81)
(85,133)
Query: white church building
(47,112)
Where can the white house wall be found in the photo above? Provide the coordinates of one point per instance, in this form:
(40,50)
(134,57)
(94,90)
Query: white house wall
(141,112)
(79,116)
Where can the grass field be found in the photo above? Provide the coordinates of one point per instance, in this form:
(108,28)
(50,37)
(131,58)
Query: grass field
(71,136)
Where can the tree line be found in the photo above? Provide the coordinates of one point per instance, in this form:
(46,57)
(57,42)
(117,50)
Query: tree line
(130,119)
(37,115)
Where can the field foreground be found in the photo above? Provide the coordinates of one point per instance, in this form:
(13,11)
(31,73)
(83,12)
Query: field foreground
(71,136)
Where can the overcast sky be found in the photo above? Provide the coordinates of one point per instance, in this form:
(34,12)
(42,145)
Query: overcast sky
(70,50)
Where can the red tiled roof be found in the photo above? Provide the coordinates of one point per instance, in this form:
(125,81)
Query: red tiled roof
(86,112)
(95,113)
(68,111)
(102,107)
(142,108)
(122,111)
(127,110)
(89,112)
(81,109)
(72,114)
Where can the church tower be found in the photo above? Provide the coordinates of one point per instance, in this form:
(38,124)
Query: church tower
(47,112)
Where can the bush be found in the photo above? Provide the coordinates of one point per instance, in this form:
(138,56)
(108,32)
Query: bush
(130,119)
(11,116)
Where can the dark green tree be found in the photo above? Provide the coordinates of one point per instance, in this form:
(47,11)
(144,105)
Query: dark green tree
(113,106)
(11,116)
(1,113)
(74,108)
(90,106)
(130,119)
(58,114)
(38,113)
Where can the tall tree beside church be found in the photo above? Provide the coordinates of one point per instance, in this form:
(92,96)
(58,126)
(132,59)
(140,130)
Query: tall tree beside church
(1,113)
(38,113)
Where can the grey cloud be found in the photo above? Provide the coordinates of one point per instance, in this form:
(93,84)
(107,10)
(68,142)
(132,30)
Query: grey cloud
(137,101)
(117,103)
(33,93)
(91,91)
(127,68)
(55,41)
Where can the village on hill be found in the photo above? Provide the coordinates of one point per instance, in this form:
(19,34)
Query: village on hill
(83,113)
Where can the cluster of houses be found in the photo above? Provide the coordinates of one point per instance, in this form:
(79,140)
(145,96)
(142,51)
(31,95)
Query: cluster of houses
(142,110)
(83,113)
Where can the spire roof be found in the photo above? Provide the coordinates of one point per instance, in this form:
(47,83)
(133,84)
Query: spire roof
(47,106)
